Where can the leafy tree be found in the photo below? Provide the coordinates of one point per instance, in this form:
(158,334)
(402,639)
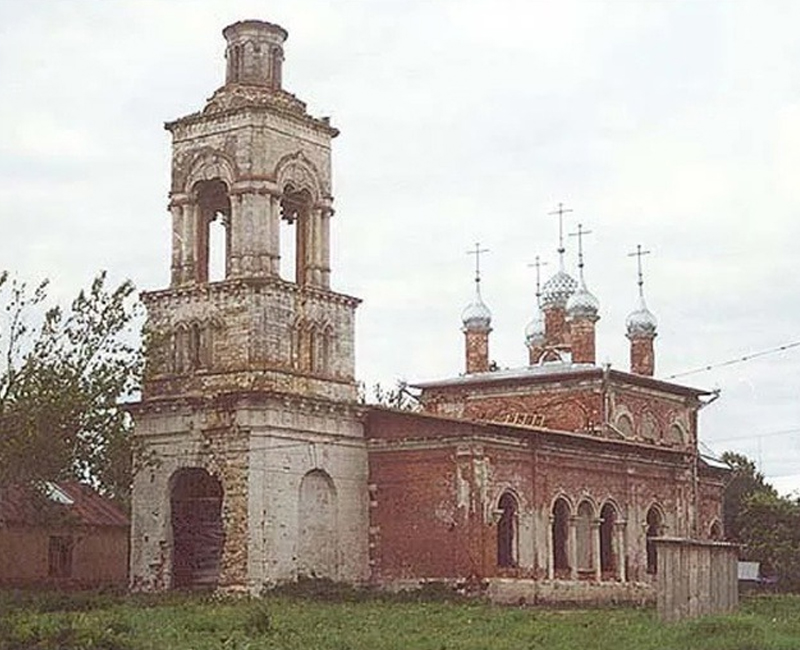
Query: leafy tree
(770,529)
(399,397)
(63,373)
(744,481)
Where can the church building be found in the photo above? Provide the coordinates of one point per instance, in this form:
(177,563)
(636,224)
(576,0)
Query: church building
(544,482)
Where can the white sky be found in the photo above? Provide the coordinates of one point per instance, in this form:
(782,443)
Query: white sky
(672,124)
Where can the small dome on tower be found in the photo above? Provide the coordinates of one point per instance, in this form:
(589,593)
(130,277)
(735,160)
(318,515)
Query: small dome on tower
(535,331)
(582,304)
(641,322)
(476,315)
(558,289)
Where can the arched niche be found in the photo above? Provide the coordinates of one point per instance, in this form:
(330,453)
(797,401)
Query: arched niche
(317,526)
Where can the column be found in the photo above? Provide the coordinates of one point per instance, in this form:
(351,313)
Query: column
(274,235)
(262,238)
(619,530)
(177,265)
(325,247)
(236,237)
(316,247)
(188,243)
(573,548)
(596,564)
(550,549)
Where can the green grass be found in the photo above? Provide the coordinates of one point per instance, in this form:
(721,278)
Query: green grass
(352,620)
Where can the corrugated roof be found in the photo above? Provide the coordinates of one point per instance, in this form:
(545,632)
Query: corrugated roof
(88,507)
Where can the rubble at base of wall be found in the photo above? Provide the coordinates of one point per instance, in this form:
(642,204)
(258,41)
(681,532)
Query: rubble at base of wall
(521,591)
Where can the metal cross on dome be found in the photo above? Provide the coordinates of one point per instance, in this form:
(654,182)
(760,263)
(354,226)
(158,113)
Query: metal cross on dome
(561,211)
(477,253)
(538,264)
(638,254)
(581,232)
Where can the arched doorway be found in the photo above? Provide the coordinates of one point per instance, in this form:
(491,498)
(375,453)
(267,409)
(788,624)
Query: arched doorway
(560,535)
(317,542)
(197,531)
(608,560)
(507,531)
(655,524)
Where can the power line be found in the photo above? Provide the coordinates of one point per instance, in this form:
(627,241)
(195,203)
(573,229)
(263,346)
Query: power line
(755,436)
(730,362)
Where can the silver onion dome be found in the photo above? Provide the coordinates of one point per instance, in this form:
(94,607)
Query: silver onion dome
(583,304)
(641,322)
(476,315)
(535,331)
(557,290)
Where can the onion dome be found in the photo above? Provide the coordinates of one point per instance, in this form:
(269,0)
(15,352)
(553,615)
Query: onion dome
(557,290)
(582,304)
(476,315)
(642,322)
(535,331)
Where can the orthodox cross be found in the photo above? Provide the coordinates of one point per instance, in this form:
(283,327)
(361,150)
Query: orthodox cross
(477,253)
(581,232)
(561,211)
(638,254)
(538,264)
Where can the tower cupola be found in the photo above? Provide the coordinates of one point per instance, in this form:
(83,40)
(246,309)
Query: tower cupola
(477,324)
(582,312)
(254,53)
(555,294)
(641,328)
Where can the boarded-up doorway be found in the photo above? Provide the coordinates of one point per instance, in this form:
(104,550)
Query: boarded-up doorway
(197,531)
(317,544)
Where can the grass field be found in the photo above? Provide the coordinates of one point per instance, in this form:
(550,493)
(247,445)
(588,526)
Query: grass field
(94,622)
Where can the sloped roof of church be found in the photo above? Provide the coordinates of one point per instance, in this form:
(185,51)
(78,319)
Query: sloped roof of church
(558,371)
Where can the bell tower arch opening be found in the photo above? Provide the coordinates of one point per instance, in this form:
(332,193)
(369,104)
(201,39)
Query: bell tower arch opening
(296,243)
(212,241)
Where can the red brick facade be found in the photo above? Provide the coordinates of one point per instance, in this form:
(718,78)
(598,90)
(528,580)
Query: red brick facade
(467,490)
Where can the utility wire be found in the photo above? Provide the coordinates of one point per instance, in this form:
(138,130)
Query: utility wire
(730,362)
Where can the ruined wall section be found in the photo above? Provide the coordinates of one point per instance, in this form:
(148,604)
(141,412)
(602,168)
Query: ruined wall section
(436,485)
(253,335)
(652,416)
(290,438)
(184,436)
(563,405)
(255,140)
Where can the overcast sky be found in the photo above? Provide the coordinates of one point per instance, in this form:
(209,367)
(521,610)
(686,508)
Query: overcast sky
(671,124)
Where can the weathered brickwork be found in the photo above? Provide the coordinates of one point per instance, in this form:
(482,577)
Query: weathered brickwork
(437,483)
(541,483)
(258,464)
(609,403)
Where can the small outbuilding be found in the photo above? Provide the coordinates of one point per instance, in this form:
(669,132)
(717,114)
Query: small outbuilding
(69,536)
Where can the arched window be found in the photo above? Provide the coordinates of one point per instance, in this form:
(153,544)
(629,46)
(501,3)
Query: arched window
(197,530)
(608,559)
(625,425)
(583,536)
(560,534)
(675,435)
(655,525)
(507,531)
(715,532)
